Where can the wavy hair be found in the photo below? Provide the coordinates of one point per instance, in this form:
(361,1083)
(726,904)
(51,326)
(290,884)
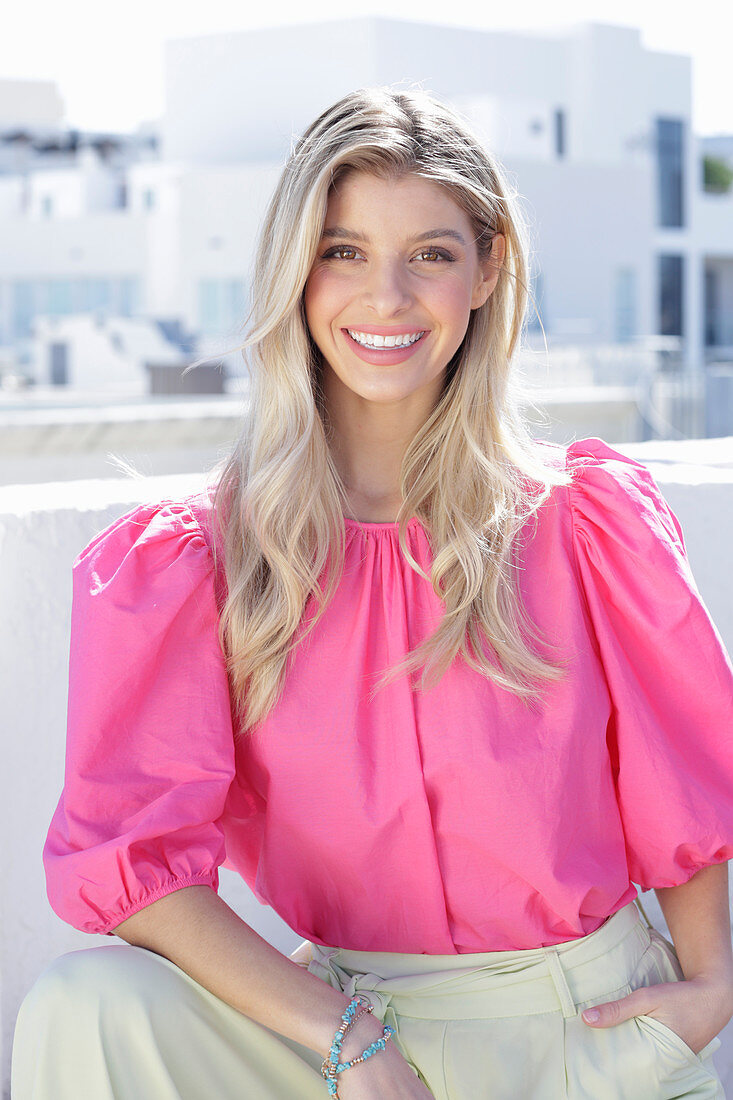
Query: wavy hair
(472,474)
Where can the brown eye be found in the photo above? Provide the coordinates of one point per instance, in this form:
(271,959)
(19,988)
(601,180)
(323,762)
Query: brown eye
(342,252)
(434,255)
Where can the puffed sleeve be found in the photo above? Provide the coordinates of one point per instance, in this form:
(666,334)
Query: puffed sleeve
(670,679)
(150,753)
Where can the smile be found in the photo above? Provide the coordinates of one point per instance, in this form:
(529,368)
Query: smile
(372,340)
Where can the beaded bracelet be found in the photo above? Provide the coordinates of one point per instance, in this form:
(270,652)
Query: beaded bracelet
(331,1066)
(349,1018)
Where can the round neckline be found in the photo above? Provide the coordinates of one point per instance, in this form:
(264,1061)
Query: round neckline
(370,526)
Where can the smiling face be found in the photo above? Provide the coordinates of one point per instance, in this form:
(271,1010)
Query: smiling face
(390,294)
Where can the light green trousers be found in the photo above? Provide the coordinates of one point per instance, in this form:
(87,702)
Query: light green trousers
(122,1023)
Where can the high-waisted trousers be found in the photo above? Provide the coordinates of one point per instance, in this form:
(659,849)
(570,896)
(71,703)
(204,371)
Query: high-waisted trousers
(122,1023)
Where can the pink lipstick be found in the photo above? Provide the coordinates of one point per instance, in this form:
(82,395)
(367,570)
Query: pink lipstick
(385,356)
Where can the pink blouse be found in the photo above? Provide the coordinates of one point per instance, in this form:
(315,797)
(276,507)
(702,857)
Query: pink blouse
(458,820)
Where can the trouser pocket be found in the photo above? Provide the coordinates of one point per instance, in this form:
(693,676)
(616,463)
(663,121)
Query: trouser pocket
(641,1058)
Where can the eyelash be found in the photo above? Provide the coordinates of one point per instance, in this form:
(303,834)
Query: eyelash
(441,253)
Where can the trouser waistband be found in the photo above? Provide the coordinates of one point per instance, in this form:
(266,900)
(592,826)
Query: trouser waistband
(494,983)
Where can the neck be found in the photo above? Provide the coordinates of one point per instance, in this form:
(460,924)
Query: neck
(368,443)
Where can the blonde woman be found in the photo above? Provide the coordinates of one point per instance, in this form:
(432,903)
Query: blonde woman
(440,693)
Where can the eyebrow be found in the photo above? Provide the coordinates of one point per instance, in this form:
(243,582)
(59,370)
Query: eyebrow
(431,235)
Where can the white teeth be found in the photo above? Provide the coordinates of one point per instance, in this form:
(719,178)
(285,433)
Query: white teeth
(371,340)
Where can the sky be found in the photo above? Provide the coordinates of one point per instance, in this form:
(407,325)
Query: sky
(108,59)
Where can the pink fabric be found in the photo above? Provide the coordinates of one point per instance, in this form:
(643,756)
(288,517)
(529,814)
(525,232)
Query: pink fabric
(459,820)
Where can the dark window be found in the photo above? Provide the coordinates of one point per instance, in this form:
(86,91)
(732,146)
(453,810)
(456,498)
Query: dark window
(712,298)
(671,279)
(59,365)
(670,172)
(559,133)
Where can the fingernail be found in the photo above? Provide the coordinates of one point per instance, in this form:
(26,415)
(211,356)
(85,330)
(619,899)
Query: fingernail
(592,1015)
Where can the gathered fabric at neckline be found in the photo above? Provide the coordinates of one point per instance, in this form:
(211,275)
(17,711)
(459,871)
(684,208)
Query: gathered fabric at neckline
(370,527)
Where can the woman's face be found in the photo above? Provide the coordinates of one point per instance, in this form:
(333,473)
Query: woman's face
(389,296)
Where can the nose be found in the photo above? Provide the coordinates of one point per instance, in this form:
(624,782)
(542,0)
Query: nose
(387,291)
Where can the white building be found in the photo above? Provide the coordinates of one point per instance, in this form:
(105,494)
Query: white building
(594,128)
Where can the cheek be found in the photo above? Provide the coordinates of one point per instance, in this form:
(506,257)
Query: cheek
(324,299)
(452,302)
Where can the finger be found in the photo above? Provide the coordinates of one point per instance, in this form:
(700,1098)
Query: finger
(615,1012)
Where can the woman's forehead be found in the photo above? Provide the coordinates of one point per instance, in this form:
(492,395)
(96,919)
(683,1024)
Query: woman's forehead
(376,200)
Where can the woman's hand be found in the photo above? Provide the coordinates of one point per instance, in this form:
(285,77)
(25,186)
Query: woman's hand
(696,1009)
(384,1076)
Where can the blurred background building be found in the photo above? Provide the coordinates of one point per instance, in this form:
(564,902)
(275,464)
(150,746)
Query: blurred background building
(126,257)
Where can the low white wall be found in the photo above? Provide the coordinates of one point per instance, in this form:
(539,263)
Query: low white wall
(161,437)
(42,528)
(156,437)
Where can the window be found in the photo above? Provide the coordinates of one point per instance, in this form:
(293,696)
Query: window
(58,297)
(23,309)
(625,305)
(129,297)
(148,198)
(46,206)
(222,305)
(671,279)
(712,298)
(62,297)
(670,172)
(96,294)
(59,364)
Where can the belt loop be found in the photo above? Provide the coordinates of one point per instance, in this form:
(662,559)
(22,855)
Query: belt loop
(560,982)
(642,910)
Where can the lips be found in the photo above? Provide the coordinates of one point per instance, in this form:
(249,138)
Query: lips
(385,355)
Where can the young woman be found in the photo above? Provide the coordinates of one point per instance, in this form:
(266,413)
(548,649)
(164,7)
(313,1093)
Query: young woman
(440,693)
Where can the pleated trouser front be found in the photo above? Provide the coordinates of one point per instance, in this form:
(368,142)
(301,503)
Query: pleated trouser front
(122,1023)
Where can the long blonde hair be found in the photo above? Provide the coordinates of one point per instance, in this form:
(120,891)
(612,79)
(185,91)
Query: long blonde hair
(472,474)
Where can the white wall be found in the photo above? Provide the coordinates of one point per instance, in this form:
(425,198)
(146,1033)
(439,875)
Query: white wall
(173,436)
(581,244)
(30,103)
(107,243)
(42,528)
(213,81)
(241,96)
(66,444)
(12,189)
(220,213)
(83,188)
(714,223)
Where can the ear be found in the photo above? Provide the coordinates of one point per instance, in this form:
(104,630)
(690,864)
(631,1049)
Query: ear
(489,272)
